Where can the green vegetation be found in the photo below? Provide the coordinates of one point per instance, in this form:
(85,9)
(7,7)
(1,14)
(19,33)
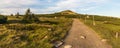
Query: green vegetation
(3,19)
(107,27)
(17,15)
(33,31)
(42,30)
(33,35)
(30,17)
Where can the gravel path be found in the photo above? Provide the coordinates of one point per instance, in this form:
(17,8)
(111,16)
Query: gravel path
(81,36)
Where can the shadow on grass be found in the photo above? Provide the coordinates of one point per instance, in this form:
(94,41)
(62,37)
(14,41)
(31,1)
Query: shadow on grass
(41,22)
(13,21)
(49,22)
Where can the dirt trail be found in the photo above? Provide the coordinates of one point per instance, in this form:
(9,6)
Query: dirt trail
(76,36)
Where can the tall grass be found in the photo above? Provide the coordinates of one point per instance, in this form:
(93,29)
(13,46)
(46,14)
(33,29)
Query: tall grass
(34,35)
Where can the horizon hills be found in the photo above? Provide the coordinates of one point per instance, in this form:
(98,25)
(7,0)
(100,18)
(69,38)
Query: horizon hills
(61,12)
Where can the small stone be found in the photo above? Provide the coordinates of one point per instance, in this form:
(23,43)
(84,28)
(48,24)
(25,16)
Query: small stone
(82,37)
(67,46)
(104,40)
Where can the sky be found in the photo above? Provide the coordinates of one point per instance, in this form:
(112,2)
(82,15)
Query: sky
(95,7)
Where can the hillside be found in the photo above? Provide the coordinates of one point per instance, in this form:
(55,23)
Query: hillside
(67,12)
(52,28)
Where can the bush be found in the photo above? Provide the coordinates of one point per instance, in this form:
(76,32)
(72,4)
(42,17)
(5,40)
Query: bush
(3,19)
(30,17)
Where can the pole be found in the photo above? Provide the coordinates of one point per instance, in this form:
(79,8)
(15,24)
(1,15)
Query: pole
(85,19)
(93,21)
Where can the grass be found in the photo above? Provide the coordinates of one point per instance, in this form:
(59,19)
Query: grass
(33,35)
(52,28)
(107,29)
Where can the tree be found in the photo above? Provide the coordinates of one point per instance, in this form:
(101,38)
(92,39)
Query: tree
(30,17)
(17,15)
(28,11)
(11,15)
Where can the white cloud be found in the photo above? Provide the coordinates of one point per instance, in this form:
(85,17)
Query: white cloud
(9,11)
(83,5)
(49,0)
(16,3)
(86,9)
(13,6)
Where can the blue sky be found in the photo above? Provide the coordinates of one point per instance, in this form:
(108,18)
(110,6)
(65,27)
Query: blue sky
(97,7)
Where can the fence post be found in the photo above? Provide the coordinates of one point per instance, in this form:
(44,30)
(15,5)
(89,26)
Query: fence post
(116,35)
(93,20)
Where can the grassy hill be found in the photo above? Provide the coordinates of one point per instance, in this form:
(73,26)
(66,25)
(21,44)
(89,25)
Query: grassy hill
(67,12)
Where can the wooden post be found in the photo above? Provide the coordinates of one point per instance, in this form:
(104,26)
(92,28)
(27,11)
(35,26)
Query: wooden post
(116,35)
(93,21)
(85,19)
(79,16)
